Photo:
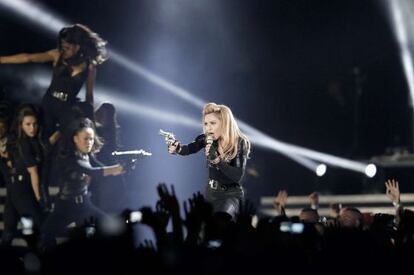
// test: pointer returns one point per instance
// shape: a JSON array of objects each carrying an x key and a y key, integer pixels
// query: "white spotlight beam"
[
  {"x": 125, "y": 105},
  {"x": 265, "y": 141},
  {"x": 270, "y": 143},
  {"x": 155, "y": 79},
  {"x": 401, "y": 14},
  {"x": 36, "y": 13}
]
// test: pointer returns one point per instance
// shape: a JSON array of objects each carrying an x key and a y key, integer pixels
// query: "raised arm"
[
  {"x": 49, "y": 56},
  {"x": 280, "y": 202},
  {"x": 35, "y": 180},
  {"x": 393, "y": 192},
  {"x": 85, "y": 167},
  {"x": 54, "y": 137},
  {"x": 314, "y": 200},
  {"x": 90, "y": 83}
]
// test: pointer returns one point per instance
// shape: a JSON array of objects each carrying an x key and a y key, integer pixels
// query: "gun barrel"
[{"x": 131, "y": 153}]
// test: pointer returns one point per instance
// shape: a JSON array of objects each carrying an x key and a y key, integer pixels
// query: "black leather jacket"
[{"x": 224, "y": 172}]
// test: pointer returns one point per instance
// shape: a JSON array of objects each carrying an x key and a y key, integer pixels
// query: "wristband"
[{"x": 396, "y": 204}]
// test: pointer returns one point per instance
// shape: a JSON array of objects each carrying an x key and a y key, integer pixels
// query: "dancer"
[
  {"x": 78, "y": 53},
  {"x": 78, "y": 168}
]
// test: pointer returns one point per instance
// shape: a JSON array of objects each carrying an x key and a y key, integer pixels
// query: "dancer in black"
[
  {"x": 227, "y": 150},
  {"x": 25, "y": 158},
  {"x": 74, "y": 62},
  {"x": 78, "y": 167}
]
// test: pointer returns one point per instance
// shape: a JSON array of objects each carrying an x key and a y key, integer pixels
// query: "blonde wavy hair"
[{"x": 228, "y": 142}]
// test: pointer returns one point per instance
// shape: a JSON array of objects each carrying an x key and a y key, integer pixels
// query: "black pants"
[
  {"x": 4, "y": 173},
  {"x": 56, "y": 111},
  {"x": 20, "y": 201},
  {"x": 225, "y": 199},
  {"x": 68, "y": 211}
]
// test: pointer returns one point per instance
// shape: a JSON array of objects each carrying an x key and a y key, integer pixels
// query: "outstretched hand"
[
  {"x": 281, "y": 199},
  {"x": 168, "y": 200},
  {"x": 197, "y": 211},
  {"x": 314, "y": 199},
  {"x": 393, "y": 190}
]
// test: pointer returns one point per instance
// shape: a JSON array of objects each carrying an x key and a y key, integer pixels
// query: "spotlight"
[
  {"x": 321, "y": 170},
  {"x": 35, "y": 13},
  {"x": 371, "y": 170},
  {"x": 400, "y": 12}
]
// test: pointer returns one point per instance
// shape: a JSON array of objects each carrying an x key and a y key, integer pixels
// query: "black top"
[
  {"x": 62, "y": 81},
  {"x": 224, "y": 172},
  {"x": 28, "y": 152},
  {"x": 75, "y": 171}
]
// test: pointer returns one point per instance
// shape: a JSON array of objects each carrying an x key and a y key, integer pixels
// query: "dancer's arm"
[
  {"x": 49, "y": 56},
  {"x": 90, "y": 83}
]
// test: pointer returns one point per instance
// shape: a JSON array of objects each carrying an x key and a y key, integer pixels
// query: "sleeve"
[
  {"x": 84, "y": 166},
  {"x": 95, "y": 162},
  {"x": 235, "y": 169},
  {"x": 27, "y": 153},
  {"x": 193, "y": 147}
]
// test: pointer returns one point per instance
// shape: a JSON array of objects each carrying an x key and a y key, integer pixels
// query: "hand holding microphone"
[
  {"x": 209, "y": 143},
  {"x": 211, "y": 150}
]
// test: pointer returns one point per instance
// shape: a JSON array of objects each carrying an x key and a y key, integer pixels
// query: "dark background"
[{"x": 325, "y": 75}]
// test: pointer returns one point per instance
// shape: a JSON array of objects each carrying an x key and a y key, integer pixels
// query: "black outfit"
[
  {"x": 21, "y": 200},
  {"x": 73, "y": 203},
  {"x": 61, "y": 95},
  {"x": 223, "y": 191}
]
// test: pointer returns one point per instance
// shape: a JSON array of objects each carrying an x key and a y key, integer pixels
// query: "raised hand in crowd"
[
  {"x": 314, "y": 200},
  {"x": 169, "y": 202},
  {"x": 393, "y": 191},
  {"x": 280, "y": 202},
  {"x": 197, "y": 212},
  {"x": 162, "y": 215},
  {"x": 246, "y": 214},
  {"x": 168, "y": 199},
  {"x": 334, "y": 209}
]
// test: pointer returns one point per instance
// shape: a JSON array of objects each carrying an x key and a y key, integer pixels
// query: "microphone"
[
  {"x": 209, "y": 139},
  {"x": 212, "y": 153}
]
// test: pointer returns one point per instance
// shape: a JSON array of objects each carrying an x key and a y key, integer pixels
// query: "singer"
[{"x": 227, "y": 150}]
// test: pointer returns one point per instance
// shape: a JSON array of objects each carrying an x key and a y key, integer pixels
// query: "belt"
[
  {"x": 16, "y": 178},
  {"x": 79, "y": 199},
  {"x": 215, "y": 185},
  {"x": 60, "y": 95}
]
